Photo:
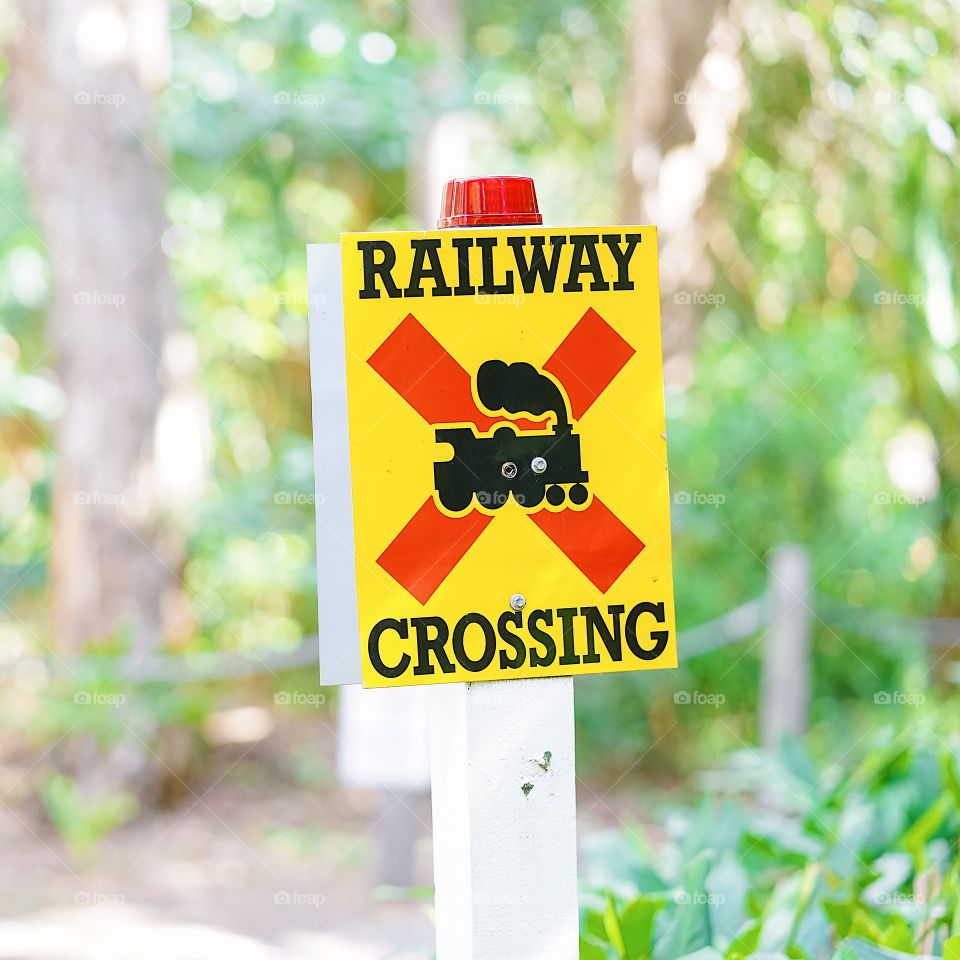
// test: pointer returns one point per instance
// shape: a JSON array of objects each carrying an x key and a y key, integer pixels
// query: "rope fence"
[
  {"x": 731, "y": 627},
  {"x": 888, "y": 627},
  {"x": 735, "y": 625},
  {"x": 165, "y": 668}
]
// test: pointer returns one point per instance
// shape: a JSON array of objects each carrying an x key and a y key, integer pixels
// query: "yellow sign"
[{"x": 508, "y": 454}]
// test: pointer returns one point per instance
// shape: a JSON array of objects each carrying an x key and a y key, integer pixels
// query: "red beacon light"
[{"x": 489, "y": 202}]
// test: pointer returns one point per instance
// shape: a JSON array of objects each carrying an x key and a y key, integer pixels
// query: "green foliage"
[
  {"x": 856, "y": 857},
  {"x": 822, "y": 355},
  {"x": 822, "y": 340},
  {"x": 82, "y": 822}
]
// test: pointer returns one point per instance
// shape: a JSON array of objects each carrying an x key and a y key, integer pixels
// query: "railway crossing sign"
[{"x": 508, "y": 472}]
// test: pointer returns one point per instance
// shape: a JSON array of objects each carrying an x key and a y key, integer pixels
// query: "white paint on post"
[
  {"x": 504, "y": 820},
  {"x": 785, "y": 685}
]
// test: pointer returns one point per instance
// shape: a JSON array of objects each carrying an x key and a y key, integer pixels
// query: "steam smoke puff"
[{"x": 518, "y": 388}]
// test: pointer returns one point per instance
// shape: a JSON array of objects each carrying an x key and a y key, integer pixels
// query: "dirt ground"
[{"x": 252, "y": 864}]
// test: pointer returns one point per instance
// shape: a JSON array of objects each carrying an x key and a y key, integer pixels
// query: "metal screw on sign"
[
  {"x": 509, "y": 469},
  {"x": 538, "y": 465},
  {"x": 518, "y": 601}
]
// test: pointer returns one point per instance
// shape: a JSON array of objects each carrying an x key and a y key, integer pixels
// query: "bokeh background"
[{"x": 168, "y": 778}]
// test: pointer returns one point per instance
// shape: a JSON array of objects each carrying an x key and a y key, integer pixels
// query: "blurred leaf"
[
  {"x": 727, "y": 885},
  {"x": 950, "y": 778},
  {"x": 83, "y": 822},
  {"x": 862, "y": 950},
  {"x": 593, "y": 949},
  {"x": 746, "y": 941},
  {"x": 637, "y": 923},
  {"x": 916, "y": 838},
  {"x": 688, "y": 925},
  {"x": 611, "y": 925},
  {"x": 898, "y": 936}
]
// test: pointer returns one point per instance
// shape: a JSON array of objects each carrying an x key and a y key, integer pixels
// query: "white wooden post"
[
  {"x": 504, "y": 820},
  {"x": 785, "y": 684}
]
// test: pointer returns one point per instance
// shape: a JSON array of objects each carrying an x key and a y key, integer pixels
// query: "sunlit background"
[{"x": 168, "y": 774}]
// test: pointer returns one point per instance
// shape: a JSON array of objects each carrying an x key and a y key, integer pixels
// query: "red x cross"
[{"x": 426, "y": 550}]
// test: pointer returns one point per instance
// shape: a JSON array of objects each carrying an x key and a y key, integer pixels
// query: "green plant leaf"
[
  {"x": 746, "y": 941},
  {"x": 611, "y": 924},
  {"x": 636, "y": 925},
  {"x": 898, "y": 935},
  {"x": 786, "y": 909},
  {"x": 808, "y": 889},
  {"x": 950, "y": 779},
  {"x": 593, "y": 949},
  {"x": 727, "y": 885},
  {"x": 592, "y": 922},
  {"x": 873, "y": 769},
  {"x": 918, "y": 836},
  {"x": 689, "y": 926},
  {"x": 863, "y": 950},
  {"x": 840, "y": 915},
  {"x": 83, "y": 822},
  {"x": 843, "y": 952},
  {"x": 863, "y": 925}
]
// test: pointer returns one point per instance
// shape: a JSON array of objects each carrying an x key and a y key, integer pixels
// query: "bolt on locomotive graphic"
[{"x": 527, "y": 466}]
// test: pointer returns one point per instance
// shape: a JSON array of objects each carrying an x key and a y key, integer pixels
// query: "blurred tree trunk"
[
  {"x": 684, "y": 92},
  {"x": 80, "y": 81},
  {"x": 441, "y": 149}
]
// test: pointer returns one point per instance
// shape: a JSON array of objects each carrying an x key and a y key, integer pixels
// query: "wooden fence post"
[
  {"x": 504, "y": 820},
  {"x": 397, "y": 829},
  {"x": 785, "y": 681},
  {"x": 383, "y": 745}
]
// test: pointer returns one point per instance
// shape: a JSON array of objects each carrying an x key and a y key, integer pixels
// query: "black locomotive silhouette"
[{"x": 525, "y": 465}]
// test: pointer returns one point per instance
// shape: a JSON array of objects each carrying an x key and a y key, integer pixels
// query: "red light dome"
[{"x": 489, "y": 201}]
